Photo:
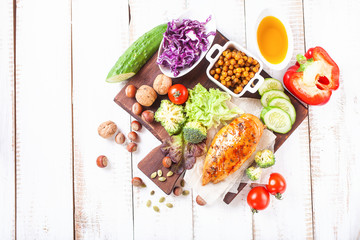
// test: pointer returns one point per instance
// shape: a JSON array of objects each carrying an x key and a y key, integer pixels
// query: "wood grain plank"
[
  {"x": 293, "y": 160},
  {"x": 103, "y": 197},
  {"x": 147, "y": 223},
  {"x": 210, "y": 221},
  {"x": 335, "y": 127},
  {"x": 7, "y": 122},
  {"x": 43, "y": 120}
]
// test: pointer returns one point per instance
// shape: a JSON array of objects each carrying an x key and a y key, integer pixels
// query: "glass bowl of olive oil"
[{"x": 274, "y": 39}]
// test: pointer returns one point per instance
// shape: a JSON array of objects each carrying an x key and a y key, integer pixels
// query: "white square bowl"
[{"x": 250, "y": 87}]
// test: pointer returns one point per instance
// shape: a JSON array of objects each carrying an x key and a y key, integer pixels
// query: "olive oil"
[{"x": 272, "y": 39}]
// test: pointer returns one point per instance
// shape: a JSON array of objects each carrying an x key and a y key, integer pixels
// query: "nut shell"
[
  {"x": 161, "y": 84},
  {"x": 107, "y": 129},
  {"x": 136, "y": 126},
  {"x": 177, "y": 191},
  {"x": 102, "y": 161},
  {"x": 132, "y": 136},
  {"x": 120, "y": 138},
  {"x": 147, "y": 116},
  {"x": 200, "y": 201},
  {"x": 137, "y": 182},
  {"x": 145, "y": 95},
  {"x": 131, "y": 147},
  {"x": 136, "y": 108}
]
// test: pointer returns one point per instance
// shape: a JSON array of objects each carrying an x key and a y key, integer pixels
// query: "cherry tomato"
[
  {"x": 178, "y": 94},
  {"x": 258, "y": 198},
  {"x": 276, "y": 185}
]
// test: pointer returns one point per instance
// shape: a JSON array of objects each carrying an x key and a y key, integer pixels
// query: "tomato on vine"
[
  {"x": 276, "y": 185},
  {"x": 258, "y": 198},
  {"x": 178, "y": 94}
]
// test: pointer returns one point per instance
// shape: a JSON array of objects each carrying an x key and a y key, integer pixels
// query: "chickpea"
[
  {"x": 212, "y": 72},
  {"x": 233, "y": 77},
  {"x": 228, "y": 56},
  {"x": 255, "y": 69},
  {"x": 245, "y": 58},
  {"x": 237, "y": 75},
  {"x": 255, "y": 62},
  {"x": 251, "y": 74},
  {"x": 230, "y": 73},
  {"x": 237, "y": 56},
  {"x": 231, "y": 67},
  {"x": 245, "y": 82},
  {"x": 227, "y": 79},
  {"x": 222, "y": 78},
  {"x": 228, "y": 84},
  {"x": 223, "y": 82},
  {"x": 224, "y": 74},
  {"x": 250, "y": 59},
  {"x": 233, "y": 54},
  {"x": 247, "y": 69},
  {"x": 227, "y": 63},
  {"x": 216, "y": 65},
  {"x": 240, "y": 61},
  {"x": 221, "y": 57},
  {"x": 232, "y": 61},
  {"x": 216, "y": 76},
  {"x": 245, "y": 74},
  {"x": 218, "y": 70},
  {"x": 225, "y": 68}
]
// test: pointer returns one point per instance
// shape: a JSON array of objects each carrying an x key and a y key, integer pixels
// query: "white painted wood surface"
[{"x": 54, "y": 190}]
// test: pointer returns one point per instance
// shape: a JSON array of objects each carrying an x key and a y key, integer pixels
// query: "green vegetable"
[
  {"x": 130, "y": 62},
  {"x": 263, "y": 112},
  {"x": 284, "y": 105},
  {"x": 194, "y": 132},
  {"x": 209, "y": 107},
  {"x": 270, "y": 84},
  {"x": 269, "y": 95},
  {"x": 277, "y": 120},
  {"x": 171, "y": 116},
  {"x": 253, "y": 173},
  {"x": 265, "y": 158}
]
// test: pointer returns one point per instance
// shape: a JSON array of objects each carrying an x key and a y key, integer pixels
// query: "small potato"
[
  {"x": 162, "y": 83},
  {"x": 146, "y": 95}
]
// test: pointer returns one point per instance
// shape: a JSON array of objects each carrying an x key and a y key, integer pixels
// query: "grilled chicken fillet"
[{"x": 231, "y": 147}]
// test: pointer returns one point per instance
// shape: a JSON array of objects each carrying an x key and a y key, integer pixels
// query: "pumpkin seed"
[
  {"x": 169, "y": 205},
  {"x": 162, "y": 199},
  {"x": 159, "y": 173},
  {"x": 169, "y": 174},
  {"x": 182, "y": 182},
  {"x": 162, "y": 179},
  {"x": 152, "y": 192},
  {"x": 153, "y": 175},
  {"x": 185, "y": 192},
  {"x": 148, "y": 203},
  {"x": 156, "y": 208}
]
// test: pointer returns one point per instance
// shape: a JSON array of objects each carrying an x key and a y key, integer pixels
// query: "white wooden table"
[{"x": 54, "y": 57}]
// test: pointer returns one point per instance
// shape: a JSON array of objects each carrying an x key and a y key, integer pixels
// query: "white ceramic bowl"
[
  {"x": 271, "y": 12},
  {"x": 250, "y": 87},
  {"x": 194, "y": 14}
]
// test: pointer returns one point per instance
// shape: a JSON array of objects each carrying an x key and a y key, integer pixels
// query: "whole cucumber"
[{"x": 131, "y": 61}]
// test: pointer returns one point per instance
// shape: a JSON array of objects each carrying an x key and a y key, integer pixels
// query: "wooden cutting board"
[{"x": 153, "y": 161}]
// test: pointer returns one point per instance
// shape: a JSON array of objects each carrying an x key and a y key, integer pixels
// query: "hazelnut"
[
  {"x": 136, "y": 126},
  {"x": 162, "y": 83},
  {"x": 136, "y": 108},
  {"x": 148, "y": 116},
  {"x": 101, "y": 161},
  {"x": 132, "y": 136},
  {"x": 145, "y": 95},
  {"x": 120, "y": 138},
  {"x": 130, "y": 91},
  {"x": 107, "y": 129},
  {"x": 177, "y": 191},
  {"x": 166, "y": 162},
  {"x": 137, "y": 182},
  {"x": 200, "y": 201},
  {"x": 131, "y": 147}
]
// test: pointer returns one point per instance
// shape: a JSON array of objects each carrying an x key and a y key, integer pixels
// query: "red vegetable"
[
  {"x": 313, "y": 78},
  {"x": 178, "y": 94},
  {"x": 277, "y": 185},
  {"x": 258, "y": 199}
]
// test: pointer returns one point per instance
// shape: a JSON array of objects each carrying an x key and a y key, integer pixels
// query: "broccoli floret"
[
  {"x": 265, "y": 158},
  {"x": 253, "y": 173},
  {"x": 194, "y": 132},
  {"x": 171, "y": 116}
]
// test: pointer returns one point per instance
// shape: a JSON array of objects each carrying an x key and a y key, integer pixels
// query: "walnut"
[
  {"x": 146, "y": 95},
  {"x": 107, "y": 129},
  {"x": 162, "y": 84}
]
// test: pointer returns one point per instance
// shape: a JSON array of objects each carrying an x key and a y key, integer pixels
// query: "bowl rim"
[
  {"x": 275, "y": 13},
  {"x": 212, "y": 27},
  {"x": 237, "y": 46}
]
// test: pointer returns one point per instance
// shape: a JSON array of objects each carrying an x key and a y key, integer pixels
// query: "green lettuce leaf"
[{"x": 209, "y": 107}]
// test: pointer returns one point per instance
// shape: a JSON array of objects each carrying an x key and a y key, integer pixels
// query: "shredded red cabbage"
[{"x": 184, "y": 41}]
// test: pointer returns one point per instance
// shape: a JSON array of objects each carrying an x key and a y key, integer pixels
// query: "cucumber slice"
[
  {"x": 270, "y": 84},
  {"x": 278, "y": 120},
  {"x": 284, "y": 105},
  {"x": 263, "y": 112},
  {"x": 269, "y": 95}
]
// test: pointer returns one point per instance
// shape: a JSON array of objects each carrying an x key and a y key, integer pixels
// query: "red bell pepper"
[{"x": 313, "y": 78}]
